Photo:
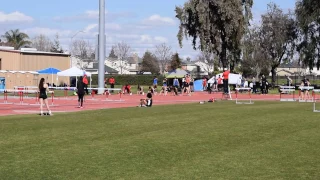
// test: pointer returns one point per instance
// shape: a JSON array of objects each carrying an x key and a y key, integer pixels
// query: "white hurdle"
[
  {"x": 22, "y": 93},
  {"x": 5, "y": 96},
  {"x": 315, "y": 99},
  {"x": 285, "y": 90},
  {"x": 306, "y": 88},
  {"x": 243, "y": 89}
]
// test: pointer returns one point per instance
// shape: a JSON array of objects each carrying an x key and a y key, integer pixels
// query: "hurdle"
[
  {"x": 113, "y": 89},
  {"x": 285, "y": 90},
  {"x": 92, "y": 94},
  {"x": 5, "y": 97},
  {"x": 307, "y": 88},
  {"x": 315, "y": 100},
  {"x": 21, "y": 95},
  {"x": 107, "y": 93},
  {"x": 244, "y": 89},
  {"x": 37, "y": 103}
]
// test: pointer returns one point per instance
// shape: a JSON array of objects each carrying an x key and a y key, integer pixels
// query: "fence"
[{"x": 296, "y": 80}]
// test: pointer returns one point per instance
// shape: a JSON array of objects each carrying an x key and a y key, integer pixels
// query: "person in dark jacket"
[{"x": 81, "y": 91}]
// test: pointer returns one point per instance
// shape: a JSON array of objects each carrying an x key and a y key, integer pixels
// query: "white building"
[
  {"x": 129, "y": 66},
  {"x": 90, "y": 66},
  {"x": 192, "y": 66}
]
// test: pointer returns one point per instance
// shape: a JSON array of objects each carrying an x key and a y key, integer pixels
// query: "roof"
[
  {"x": 290, "y": 65},
  {"x": 6, "y": 71},
  {"x": 286, "y": 71},
  {"x": 131, "y": 60},
  {"x": 34, "y": 52},
  {"x": 186, "y": 63},
  {"x": 106, "y": 68}
]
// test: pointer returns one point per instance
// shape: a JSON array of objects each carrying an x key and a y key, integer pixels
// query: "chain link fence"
[{"x": 296, "y": 80}]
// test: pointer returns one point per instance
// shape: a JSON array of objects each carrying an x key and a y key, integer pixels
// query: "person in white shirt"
[{"x": 239, "y": 82}]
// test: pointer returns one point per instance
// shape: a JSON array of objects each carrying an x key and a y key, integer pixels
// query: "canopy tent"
[
  {"x": 74, "y": 71},
  {"x": 50, "y": 70},
  {"x": 233, "y": 78},
  {"x": 177, "y": 73}
]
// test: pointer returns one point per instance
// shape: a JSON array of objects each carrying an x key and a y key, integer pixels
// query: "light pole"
[
  {"x": 101, "y": 70},
  {"x": 70, "y": 48},
  {"x": 73, "y": 37}
]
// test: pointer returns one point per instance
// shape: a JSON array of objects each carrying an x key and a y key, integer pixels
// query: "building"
[
  {"x": 128, "y": 66},
  {"x": 93, "y": 68},
  {"x": 290, "y": 69},
  {"x": 195, "y": 66},
  {"x": 90, "y": 65},
  {"x": 28, "y": 59}
]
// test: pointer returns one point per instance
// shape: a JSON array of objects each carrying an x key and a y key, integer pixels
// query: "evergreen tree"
[
  {"x": 150, "y": 63},
  {"x": 56, "y": 48},
  {"x": 175, "y": 61},
  {"x": 113, "y": 54}
]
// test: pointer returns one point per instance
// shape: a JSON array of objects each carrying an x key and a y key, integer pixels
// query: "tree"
[
  {"x": 84, "y": 52},
  {"x": 149, "y": 63},
  {"x": 122, "y": 51},
  {"x": 208, "y": 60},
  {"x": 112, "y": 53},
  {"x": 217, "y": 25},
  {"x": 163, "y": 54},
  {"x": 16, "y": 39},
  {"x": 82, "y": 49},
  {"x": 175, "y": 61},
  {"x": 308, "y": 17},
  {"x": 42, "y": 43},
  {"x": 279, "y": 33},
  {"x": 255, "y": 59},
  {"x": 55, "y": 47}
]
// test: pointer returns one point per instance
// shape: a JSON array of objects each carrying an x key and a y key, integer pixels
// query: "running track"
[{"x": 69, "y": 104}]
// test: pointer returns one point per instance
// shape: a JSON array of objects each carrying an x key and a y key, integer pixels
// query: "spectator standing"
[
  {"x": 204, "y": 83},
  {"x": 226, "y": 80},
  {"x": 112, "y": 81},
  {"x": 85, "y": 82},
  {"x": 254, "y": 83}
]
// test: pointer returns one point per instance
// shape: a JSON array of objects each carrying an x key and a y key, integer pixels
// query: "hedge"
[{"x": 129, "y": 79}]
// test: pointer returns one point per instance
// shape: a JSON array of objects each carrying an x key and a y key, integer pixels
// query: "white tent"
[
  {"x": 233, "y": 78},
  {"x": 74, "y": 71}
]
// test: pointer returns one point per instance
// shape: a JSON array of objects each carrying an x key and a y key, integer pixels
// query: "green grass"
[{"x": 268, "y": 140}]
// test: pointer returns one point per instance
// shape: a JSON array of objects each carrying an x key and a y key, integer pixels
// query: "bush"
[{"x": 130, "y": 79}]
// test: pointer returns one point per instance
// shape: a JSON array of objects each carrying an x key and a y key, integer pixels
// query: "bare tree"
[
  {"x": 163, "y": 54},
  {"x": 42, "y": 43},
  {"x": 122, "y": 51},
  {"x": 208, "y": 60},
  {"x": 84, "y": 53}
]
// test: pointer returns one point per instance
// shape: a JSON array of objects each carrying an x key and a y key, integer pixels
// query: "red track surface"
[{"x": 69, "y": 104}]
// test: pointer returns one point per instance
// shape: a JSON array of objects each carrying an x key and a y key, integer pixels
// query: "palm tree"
[{"x": 16, "y": 38}]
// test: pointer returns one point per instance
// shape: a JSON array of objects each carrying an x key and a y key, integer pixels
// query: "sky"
[{"x": 142, "y": 24}]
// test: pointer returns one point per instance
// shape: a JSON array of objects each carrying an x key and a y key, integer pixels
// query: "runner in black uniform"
[
  {"x": 43, "y": 98},
  {"x": 305, "y": 92},
  {"x": 146, "y": 102}
]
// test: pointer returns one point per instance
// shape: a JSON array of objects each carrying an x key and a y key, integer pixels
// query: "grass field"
[{"x": 268, "y": 140}]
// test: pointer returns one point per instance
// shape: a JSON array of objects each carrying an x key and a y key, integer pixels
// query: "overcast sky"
[{"x": 141, "y": 23}]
